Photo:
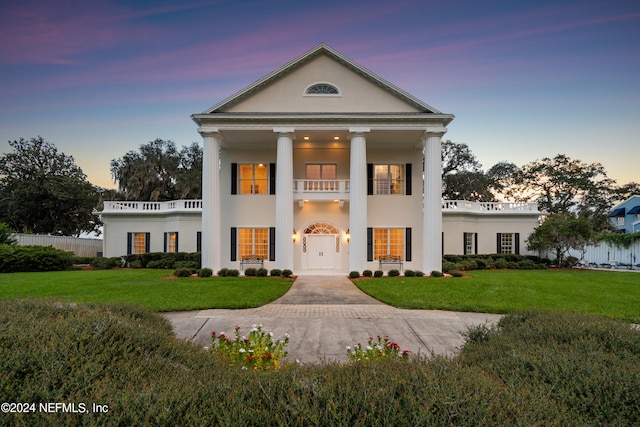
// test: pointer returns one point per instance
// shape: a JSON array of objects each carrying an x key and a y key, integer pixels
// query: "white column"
[
  {"x": 211, "y": 208},
  {"x": 432, "y": 202},
  {"x": 358, "y": 201},
  {"x": 284, "y": 199}
]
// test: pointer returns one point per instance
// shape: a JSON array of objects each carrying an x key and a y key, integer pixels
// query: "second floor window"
[
  {"x": 253, "y": 178},
  {"x": 388, "y": 179}
]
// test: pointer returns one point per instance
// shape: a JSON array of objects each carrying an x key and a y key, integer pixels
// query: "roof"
[{"x": 321, "y": 49}]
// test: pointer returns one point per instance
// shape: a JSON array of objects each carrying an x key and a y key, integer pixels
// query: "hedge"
[{"x": 14, "y": 258}]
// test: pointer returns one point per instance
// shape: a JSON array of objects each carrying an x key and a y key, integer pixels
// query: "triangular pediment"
[{"x": 354, "y": 89}]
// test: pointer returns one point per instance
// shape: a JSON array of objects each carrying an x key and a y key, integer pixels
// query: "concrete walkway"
[{"x": 324, "y": 314}]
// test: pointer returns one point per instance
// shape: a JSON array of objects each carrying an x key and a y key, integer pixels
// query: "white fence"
[
  {"x": 79, "y": 246},
  {"x": 610, "y": 256}
]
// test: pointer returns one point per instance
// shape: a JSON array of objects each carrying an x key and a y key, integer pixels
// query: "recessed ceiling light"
[
  {"x": 336, "y": 138},
  {"x": 306, "y": 138}
]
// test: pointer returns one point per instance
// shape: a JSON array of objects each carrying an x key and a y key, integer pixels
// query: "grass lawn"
[
  {"x": 607, "y": 293},
  {"x": 145, "y": 287}
]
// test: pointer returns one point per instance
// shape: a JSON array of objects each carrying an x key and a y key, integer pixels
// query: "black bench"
[
  {"x": 251, "y": 259},
  {"x": 390, "y": 259}
]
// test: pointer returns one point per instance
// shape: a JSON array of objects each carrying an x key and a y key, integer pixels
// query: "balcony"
[
  {"x": 489, "y": 207},
  {"x": 171, "y": 206},
  {"x": 320, "y": 189}
]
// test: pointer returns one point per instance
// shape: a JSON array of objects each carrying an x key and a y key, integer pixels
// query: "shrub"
[
  {"x": 393, "y": 273},
  {"x": 418, "y": 273},
  {"x": 106, "y": 263},
  {"x": 378, "y": 273},
  {"x": 367, "y": 273},
  {"x": 223, "y": 272},
  {"x": 232, "y": 273},
  {"x": 456, "y": 273},
  {"x": 436, "y": 273},
  {"x": 205, "y": 272},
  {"x": 275, "y": 272},
  {"x": 448, "y": 266},
  {"x": 354, "y": 274},
  {"x": 187, "y": 264},
  {"x": 468, "y": 265},
  {"x": 501, "y": 263},
  {"x": 251, "y": 272},
  {"x": 183, "y": 272},
  {"x": 81, "y": 260},
  {"x": 262, "y": 272},
  {"x": 409, "y": 273},
  {"x": 526, "y": 264},
  {"x": 287, "y": 273},
  {"x": 135, "y": 264},
  {"x": 14, "y": 258}
]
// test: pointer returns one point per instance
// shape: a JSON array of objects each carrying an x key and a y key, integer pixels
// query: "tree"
[
  {"x": 562, "y": 185},
  {"x": 158, "y": 171},
  {"x": 627, "y": 190},
  {"x": 561, "y": 232},
  {"x": 44, "y": 191},
  {"x": 462, "y": 178},
  {"x": 6, "y": 235}
]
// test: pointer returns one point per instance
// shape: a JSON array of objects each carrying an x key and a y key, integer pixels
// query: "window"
[
  {"x": 620, "y": 220},
  {"x": 253, "y": 241},
  {"x": 388, "y": 242},
  {"x": 171, "y": 242},
  {"x": 138, "y": 243},
  {"x": 254, "y": 179},
  {"x": 508, "y": 243},
  {"x": 388, "y": 179},
  {"x": 322, "y": 89},
  {"x": 321, "y": 177},
  {"x": 469, "y": 243}
]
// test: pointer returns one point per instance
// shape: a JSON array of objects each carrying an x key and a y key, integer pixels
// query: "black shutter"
[
  {"x": 198, "y": 241},
  {"x": 369, "y": 244},
  {"x": 177, "y": 247},
  {"x": 129, "y": 243},
  {"x": 272, "y": 178},
  {"x": 165, "y": 241},
  {"x": 407, "y": 174},
  {"x": 234, "y": 234},
  {"x": 442, "y": 242},
  {"x": 147, "y": 242},
  {"x": 272, "y": 243},
  {"x": 475, "y": 243},
  {"x": 464, "y": 243},
  {"x": 234, "y": 178},
  {"x": 407, "y": 255},
  {"x": 369, "y": 179},
  {"x": 517, "y": 243},
  {"x": 498, "y": 242}
]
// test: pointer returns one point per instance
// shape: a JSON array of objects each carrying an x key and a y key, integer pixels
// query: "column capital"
[
  {"x": 283, "y": 130},
  {"x": 209, "y": 131},
  {"x": 358, "y": 131},
  {"x": 434, "y": 131}
]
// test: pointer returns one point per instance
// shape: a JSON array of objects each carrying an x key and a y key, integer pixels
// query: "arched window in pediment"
[{"x": 322, "y": 89}]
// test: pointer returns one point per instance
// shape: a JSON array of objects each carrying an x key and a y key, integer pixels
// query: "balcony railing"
[
  {"x": 489, "y": 207},
  {"x": 320, "y": 188},
  {"x": 194, "y": 205}
]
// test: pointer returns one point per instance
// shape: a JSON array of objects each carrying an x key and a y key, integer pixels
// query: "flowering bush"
[
  {"x": 258, "y": 351},
  {"x": 383, "y": 348}
]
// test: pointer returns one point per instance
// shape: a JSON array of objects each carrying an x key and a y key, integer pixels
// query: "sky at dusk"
[{"x": 525, "y": 79}]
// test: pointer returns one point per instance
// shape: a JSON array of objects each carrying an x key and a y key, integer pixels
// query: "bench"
[
  {"x": 251, "y": 259},
  {"x": 390, "y": 259}
]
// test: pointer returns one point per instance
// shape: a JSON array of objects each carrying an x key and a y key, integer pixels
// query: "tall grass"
[{"x": 534, "y": 369}]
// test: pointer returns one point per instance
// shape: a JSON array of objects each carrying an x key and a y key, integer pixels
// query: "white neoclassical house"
[{"x": 320, "y": 166}]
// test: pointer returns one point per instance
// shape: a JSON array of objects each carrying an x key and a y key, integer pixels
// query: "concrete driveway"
[{"x": 324, "y": 314}]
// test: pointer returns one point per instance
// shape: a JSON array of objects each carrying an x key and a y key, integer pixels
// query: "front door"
[{"x": 321, "y": 251}]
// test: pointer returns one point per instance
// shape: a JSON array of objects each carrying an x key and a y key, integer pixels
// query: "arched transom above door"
[{"x": 321, "y": 228}]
